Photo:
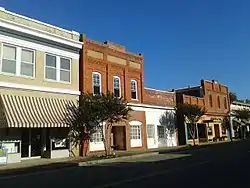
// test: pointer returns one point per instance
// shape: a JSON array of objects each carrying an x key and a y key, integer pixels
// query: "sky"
[{"x": 183, "y": 41}]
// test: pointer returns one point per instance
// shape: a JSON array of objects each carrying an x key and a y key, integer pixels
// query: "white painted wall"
[{"x": 152, "y": 118}]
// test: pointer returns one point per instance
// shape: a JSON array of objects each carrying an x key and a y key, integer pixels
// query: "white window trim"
[
  {"x": 18, "y": 61},
  {"x": 100, "y": 77},
  {"x": 120, "y": 92},
  {"x": 136, "y": 88},
  {"x": 58, "y": 68},
  {"x": 136, "y": 142}
]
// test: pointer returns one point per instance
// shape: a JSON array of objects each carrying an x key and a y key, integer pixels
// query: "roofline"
[
  {"x": 39, "y": 22},
  {"x": 125, "y": 52},
  {"x": 240, "y": 103},
  {"x": 187, "y": 88},
  {"x": 216, "y": 81},
  {"x": 40, "y": 33},
  {"x": 158, "y": 90},
  {"x": 151, "y": 106}
]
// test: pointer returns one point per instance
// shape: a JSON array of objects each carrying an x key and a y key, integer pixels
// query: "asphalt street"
[{"x": 222, "y": 165}]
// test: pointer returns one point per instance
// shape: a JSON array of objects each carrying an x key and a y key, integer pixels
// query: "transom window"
[
  {"x": 135, "y": 132},
  {"x": 97, "y": 136},
  {"x": 57, "y": 68},
  {"x": 134, "y": 89},
  {"x": 18, "y": 61},
  {"x": 96, "y": 79},
  {"x": 117, "y": 86}
]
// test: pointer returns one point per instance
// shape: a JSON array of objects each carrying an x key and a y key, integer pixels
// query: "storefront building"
[
  {"x": 159, "y": 108},
  {"x": 39, "y": 80},
  {"x": 109, "y": 67},
  {"x": 214, "y": 98}
]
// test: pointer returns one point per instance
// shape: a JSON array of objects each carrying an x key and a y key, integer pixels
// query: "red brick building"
[
  {"x": 109, "y": 67},
  {"x": 214, "y": 97}
]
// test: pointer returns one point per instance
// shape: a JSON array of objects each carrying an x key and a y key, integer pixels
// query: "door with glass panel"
[{"x": 151, "y": 136}]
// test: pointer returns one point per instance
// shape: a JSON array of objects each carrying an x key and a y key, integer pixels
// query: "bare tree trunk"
[
  {"x": 107, "y": 139},
  {"x": 192, "y": 133}
]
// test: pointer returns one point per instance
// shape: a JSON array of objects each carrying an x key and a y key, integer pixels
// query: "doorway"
[
  {"x": 119, "y": 137},
  {"x": 217, "y": 130},
  {"x": 31, "y": 143}
]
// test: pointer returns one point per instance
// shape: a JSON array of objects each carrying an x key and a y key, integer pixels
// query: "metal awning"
[{"x": 34, "y": 112}]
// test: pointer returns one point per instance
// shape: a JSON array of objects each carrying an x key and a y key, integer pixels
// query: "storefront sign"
[
  {"x": 59, "y": 143},
  {"x": 3, "y": 155}
]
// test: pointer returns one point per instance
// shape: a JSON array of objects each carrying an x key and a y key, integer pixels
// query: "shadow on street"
[{"x": 194, "y": 167}]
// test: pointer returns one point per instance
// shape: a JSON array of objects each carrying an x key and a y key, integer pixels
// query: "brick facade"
[
  {"x": 159, "y": 97},
  {"x": 111, "y": 60},
  {"x": 211, "y": 95}
]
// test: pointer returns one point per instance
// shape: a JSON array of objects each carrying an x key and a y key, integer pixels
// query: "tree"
[
  {"x": 226, "y": 125},
  {"x": 232, "y": 97},
  {"x": 114, "y": 110},
  {"x": 192, "y": 114},
  {"x": 242, "y": 115},
  {"x": 168, "y": 119},
  {"x": 96, "y": 113},
  {"x": 83, "y": 120}
]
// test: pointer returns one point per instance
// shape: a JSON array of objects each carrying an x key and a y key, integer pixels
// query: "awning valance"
[{"x": 35, "y": 112}]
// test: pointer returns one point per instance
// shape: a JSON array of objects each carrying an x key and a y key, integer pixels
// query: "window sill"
[
  {"x": 15, "y": 75},
  {"x": 134, "y": 99},
  {"x": 58, "y": 82}
]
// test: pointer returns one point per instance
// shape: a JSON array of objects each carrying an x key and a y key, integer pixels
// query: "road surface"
[{"x": 222, "y": 165}]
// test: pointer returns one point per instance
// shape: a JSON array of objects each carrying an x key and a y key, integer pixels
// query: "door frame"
[{"x": 29, "y": 149}]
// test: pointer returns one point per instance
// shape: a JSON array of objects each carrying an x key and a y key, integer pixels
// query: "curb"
[{"x": 102, "y": 161}]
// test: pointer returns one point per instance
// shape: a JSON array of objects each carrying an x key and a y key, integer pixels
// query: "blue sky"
[{"x": 183, "y": 41}]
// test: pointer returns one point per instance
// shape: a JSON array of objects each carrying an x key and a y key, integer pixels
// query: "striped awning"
[{"x": 34, "y": 112}]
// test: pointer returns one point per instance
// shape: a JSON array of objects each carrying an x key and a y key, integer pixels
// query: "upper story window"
[
  {"x": 96, "y": 83},
  {"x": 225, "y": 102},
  {"x": 134, "y": 94},
  {"x": 210, "y": 100},
  {"x": 57, "y": 68},
  {"x": 18, "y": 61},
  {"x": 117, "y": 86},
  {"x": 218, "y": 101}
]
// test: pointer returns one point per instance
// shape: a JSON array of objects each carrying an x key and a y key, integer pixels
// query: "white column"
[
  {"x": 156, "y": 136},
  {"x": 231, "y": 127},
  {"x": 29, "y": 152}
]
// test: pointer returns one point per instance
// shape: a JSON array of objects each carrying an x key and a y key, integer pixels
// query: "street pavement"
[{"x": 222, "y": 165}]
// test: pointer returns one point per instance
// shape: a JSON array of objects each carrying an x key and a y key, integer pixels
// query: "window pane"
[
  {"x": 9, "y": 66},
  {"x": 117, "y": 92},
  {"x": 27, "y": 69},
  {"x": 50, "y": 60},
  {"x": 97, "y": 90},
  {"x": 150, "y": 131},
  {"x": 96, "y": 79},
  {"x": 50, "y": 73},
  {"x": 65, "y": 64},
  {"x": 133, "y": 85},
  {"x": 116, "y": 83},
  {"x": 133, "y": 95},
  {"x": 9, "y": 52},
  {"x": 27, "y": 56},
  {"x": 65, "y": 76}
]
